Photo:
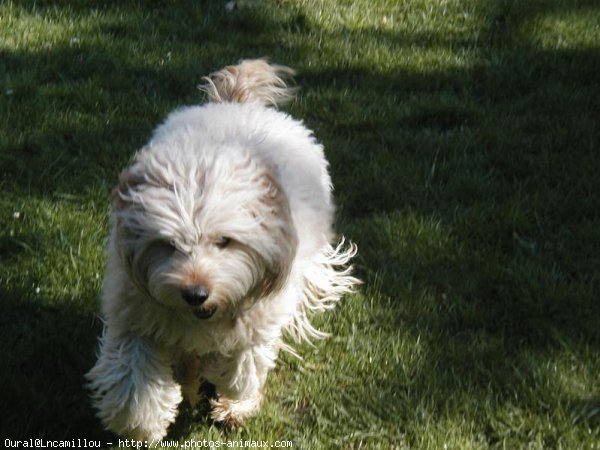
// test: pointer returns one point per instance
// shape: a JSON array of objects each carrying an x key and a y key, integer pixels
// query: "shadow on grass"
[{"x": 45, "y": 352}]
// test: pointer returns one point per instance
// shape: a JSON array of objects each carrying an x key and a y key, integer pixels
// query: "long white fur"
[{"x": 231, "y": 168}]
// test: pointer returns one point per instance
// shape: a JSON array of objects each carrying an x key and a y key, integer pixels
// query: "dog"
[{"x": 221, "y": 244}]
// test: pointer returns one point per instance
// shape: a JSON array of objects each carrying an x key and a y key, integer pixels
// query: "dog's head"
[{"x": 204, "y": 235}]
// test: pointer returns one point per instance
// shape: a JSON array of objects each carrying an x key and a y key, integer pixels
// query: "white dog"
[{"x": 221, "y": 241}]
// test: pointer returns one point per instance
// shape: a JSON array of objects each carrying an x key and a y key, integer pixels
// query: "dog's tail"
[{"x": 252, "y": 80}]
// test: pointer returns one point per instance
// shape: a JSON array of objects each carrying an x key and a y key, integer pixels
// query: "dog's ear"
[
  {"x": 127, "y": 237},
  {"x": 280, "y": 226},
  {"x": 127, "y": 180}
]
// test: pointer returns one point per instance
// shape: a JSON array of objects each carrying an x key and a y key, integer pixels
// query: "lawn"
[{"x": 464, "y": 141}]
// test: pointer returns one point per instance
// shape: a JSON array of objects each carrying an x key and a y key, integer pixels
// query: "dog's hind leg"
[{"x": 133, "y": 387}]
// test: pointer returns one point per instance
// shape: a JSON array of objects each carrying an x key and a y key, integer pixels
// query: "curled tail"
[{"x": 252, "y": 80}]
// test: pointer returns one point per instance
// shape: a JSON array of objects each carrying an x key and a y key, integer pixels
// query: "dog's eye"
[
  {"x": 222, "y": 242},
  {"x": 164, "y": 247}
]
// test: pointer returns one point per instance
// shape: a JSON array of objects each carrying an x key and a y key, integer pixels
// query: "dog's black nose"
[{"x": 195, "y": 295}]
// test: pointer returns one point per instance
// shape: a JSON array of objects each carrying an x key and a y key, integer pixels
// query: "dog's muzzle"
[{"x": 196, "y": 296}]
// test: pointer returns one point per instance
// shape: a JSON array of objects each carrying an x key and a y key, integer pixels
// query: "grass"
[{"x": 463, "y": 142}]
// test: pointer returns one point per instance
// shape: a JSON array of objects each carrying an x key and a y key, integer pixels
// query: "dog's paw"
[{"x": 234, "y": 413}]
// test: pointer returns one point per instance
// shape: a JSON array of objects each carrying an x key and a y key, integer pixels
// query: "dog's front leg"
[
  {"x": 133, "y": 387},
  {"x": 240, "y": 382}
]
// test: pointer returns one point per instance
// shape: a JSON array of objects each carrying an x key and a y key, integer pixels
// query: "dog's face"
[{"x": 205, "y": 236}]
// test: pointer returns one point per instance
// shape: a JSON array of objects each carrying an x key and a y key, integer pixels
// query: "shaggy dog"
[{"x": 221, "y": 241}]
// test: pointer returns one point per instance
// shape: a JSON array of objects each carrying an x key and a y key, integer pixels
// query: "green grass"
[{"x": 463, "y": 138}]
